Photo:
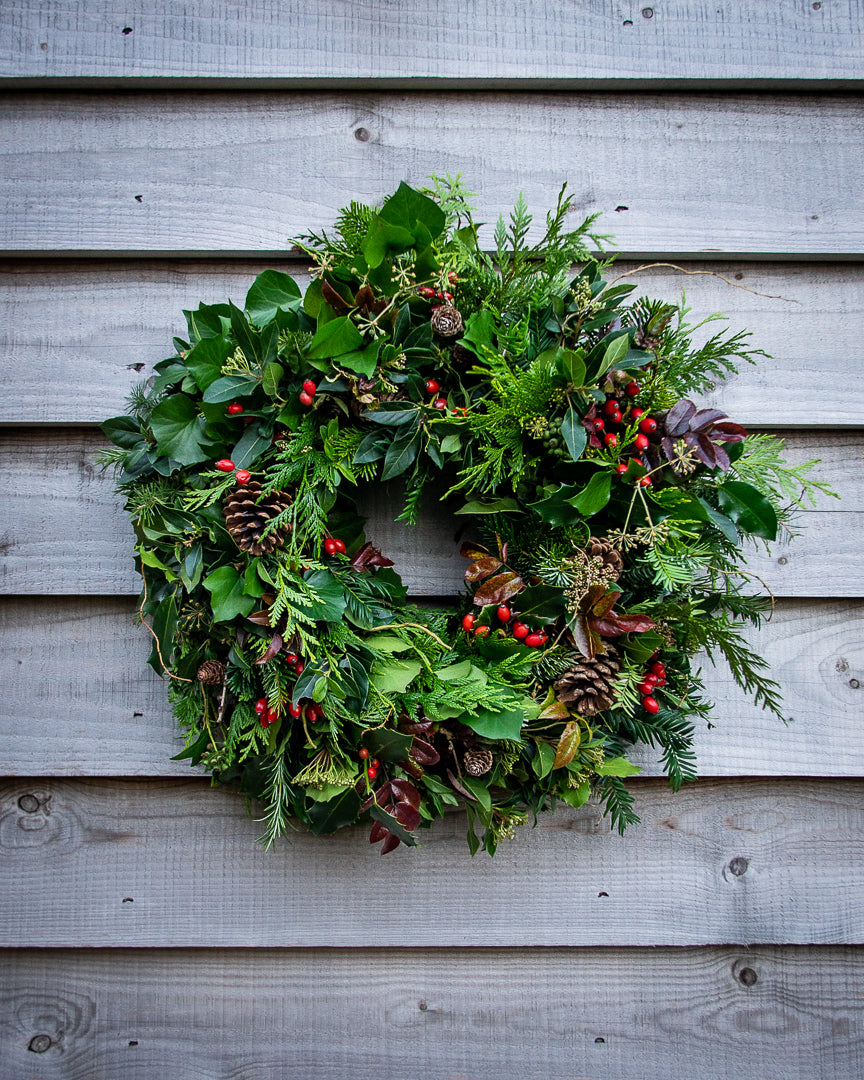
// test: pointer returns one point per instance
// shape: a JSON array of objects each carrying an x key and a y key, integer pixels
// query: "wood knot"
[
  {"x": 738, "y": 866},
  {"x": 40, "y": 1043},
  {"x": 361, "y": 134},
  {"x": 29, "y": 804},
  {"x": 747, "y": 977}
]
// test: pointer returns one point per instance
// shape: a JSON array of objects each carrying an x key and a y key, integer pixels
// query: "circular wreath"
[{"x": 602, "y": 512}]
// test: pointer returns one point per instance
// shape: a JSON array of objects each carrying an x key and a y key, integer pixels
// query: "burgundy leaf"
[
  {"x": 723, "y": 461},
  {"x": 606, "y": 603},
  {"x": 406, "y": 815},
  {"x": 668, "y": 447},
  {"x": 678, "y": 417},
  {"x": 405, "y": 792},
  {"x": 458, "y": 787},
  {"x": 378, "y": 832},
  {"x": 704, "y": 418},
  {"x": 471, "y": 550},
  {"x": 390, "y": 844},
  {"x": 333, "y": 298},
  {"x": 707, "y": 451},
  {"x": 608, "y": 626},
  {"x": 260, "y": 618},
  {"x": 482, "y": 568},
  {"x": 378, "y": 797},
  {"x": 364, "y": 298},
  {"x": 582, "y": 636},
  {"x": 273, "y": 649},
  {"x": 496, "y": 590},
  {"x": 415, "y": 727},
  {"x": 368, "y": 555},
  {"x": 424, "y": 753},
  {"x": 635, "y": 624},
  {"x": 729, "y": 432}
]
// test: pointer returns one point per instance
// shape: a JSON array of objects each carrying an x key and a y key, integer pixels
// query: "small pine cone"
[
  {"x": 461, "y": 356},
  {"x": 247, "y": 518},
  {"x": 447, "y": 321},
  {"x": 589, "y": 686},
  {"x": 212, "y": 672},
  {"x": 602, "y": 549},
  {"x": 478, "y": 761}
]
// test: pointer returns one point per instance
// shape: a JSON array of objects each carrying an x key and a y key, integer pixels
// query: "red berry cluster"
[
  {"x": 312, "y": 711},
  {"x": 332, "y": 545},
  {"x": 429, "y": 293},
  {"x": 654, "y": 676},
  {"x": 307, "y": 393},
  {"x": 614, "y": 410},
  {"x": 373, "y": 765},
  {"x": 534, "y": 639}
]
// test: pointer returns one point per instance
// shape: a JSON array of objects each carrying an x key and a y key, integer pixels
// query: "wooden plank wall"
[{"x": 161, "y": 154}]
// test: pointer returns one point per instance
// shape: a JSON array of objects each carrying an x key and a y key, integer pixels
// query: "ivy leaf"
[
  {"x": 407, "y": 207},
  {"x": 206, "y": 360},
  {"x": 492, "y": 724},
  {"x": 594, "y": 496},
  {"x": 227, "y": 598},
  {"x": 748, "y": 508},
  {"x": 123, "y": 431},
  {"x": 179, "y": 430},
  {"x": 617, "y": 766},
  {"x": 270, "y": 292},
  {"x": 362, "y": 362},
  {"x": 383, "y": 239},
  {"x": 574, "y": 434},
  {"x": 394, "y": 676},
  {"x": 229, "y": 387},
  {"x": 577, "y": 797},
  {"x": 335, "y": 338},
  {"x": 568, "y": 744}
]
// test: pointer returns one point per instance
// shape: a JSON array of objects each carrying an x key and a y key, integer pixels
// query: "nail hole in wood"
[
  {"x": 128, "y": 900},
  {"x": 738, "y": 866},
  {"x": 599, "y": 894},
  {"x": 133, "y": 1042},
  {"x": 422, "y": 1006},
  {"x": 816, "y": 6},
  {"x": 739, "y": 276},
  {"x": 854, "y": 684},
  {"x": 599, "y": 1039},
  {"x": 138, "y": 713},
  {"x": 361, "y": 134},
  {"x": 628, "y": 22},
  {"x": 618, "y": 209},
  {"x": 40, "y": 1043},
  {"x": 139, "y": 198},
  {"x": 747, "y": 977},
  {"x": 44, "y": 46},
  {"x": 28, "y": 803},
  {"x": 782, "y": 560},
  {"x": 127, "y": 30},
  {"x": 647, "y": 13}
]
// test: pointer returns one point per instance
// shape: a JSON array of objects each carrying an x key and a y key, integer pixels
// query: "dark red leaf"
[
  {"x": 458, "y": 787},
  {"x": 368, "y": 555},
  {"x": 678, "y": 417},
  {"x": 406, "y": 815},
  {"x": 723, "y": 461},
  {"x": 704, "y": 418},
  {"x": 273, "y": 649},
  {"x": 405, "y": 792},
  {"x": 581, "y": 636},
  {"x": 482, "y": 568},
  {"x": 424, "y": 753},
  {"x": 635, "y": 624},
  {"x": 608, "y": 626},
  {"x": 472, "y": 550},
  {"x": 605, "y": 604},
  {"x": 390, "y": 844},
  {"x": 378, "y": 797},
  {"x": 415, "y": 727},
  {"x": 364, "y": 298},
  {"x": 378, "y": 832},
  {"x": 496, "y": 590},
  {"x": 333, "y": 298},
  {"x": 260, "y": 618},
  {"x": 707, "y": 451},
  {"x": 729, "y": 432}
]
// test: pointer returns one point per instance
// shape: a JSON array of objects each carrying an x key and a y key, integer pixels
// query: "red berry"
[
  {"x": 503, "y": 613},
  {"x": 651, "y": 704},
  {"x": 543, "y": 638},
  {"x": 448, "y": 296},
  {"x": 534, "y": 641},
  {"x": 632, "y": 389},
  {"x": 611, "y": 406},
  {"x": 599, "y": 423},
  {"x": 645, "y": 689},
  {"x": 452, "y": 277},
  {"x": 374, "y": 763},
  {"x": 481, "y": 631},
  {"x": 235, "y": 408},
  {"x": 440, "y": 403},
  {"x": 520, "y": 631},
  {"x": 650, "y": 679},
  {"x": 657, "y": 668},
  {"x": 645, "y": 481},
  {"x": 615, "y": 417},
  {"x": 432, "y": 387},
  {"x": 636, "y": 413},
  {"x": 225, "y": 465},
  {"x": 305, "y": 399},
  {"x": 648, "y": 426},
  {"x": 340, "y": 545},
  {"x": 426, "y": 291},
  {"x": 243, "y": 476},
  {"x": 661, "y": 681},
  {"x": 330, "y": 546},
  {"x": 468, "y": 622},
  {"x": 272, "y": 716},
  {"x": 309, "y": 387},
  {"x": 439, "y": 295},
  {"x": 363, "y": 753},
  {"x": 247, "y": 420},
  {"x": 295, "y": 710},
  {"x": 291, "y": 659},
  {"x": 621, "y": 469},
  {"x": 641, "y": 442},
  {"x": 610, "y": 440},
  {"x": 261, "y": 705},
  {"x": 371, "y": 772},
  {"x": 298, "y": 667}
]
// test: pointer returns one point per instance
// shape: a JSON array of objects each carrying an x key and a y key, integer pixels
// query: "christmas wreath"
[{"x": 602, "y": 517}]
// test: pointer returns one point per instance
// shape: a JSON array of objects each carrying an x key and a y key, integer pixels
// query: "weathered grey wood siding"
[{"x": 161, "y": 154}]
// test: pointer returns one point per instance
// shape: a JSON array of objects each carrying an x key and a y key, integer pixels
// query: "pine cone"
[
  {"x": 602, "y": 549},
  {"x": 246, "y": 518},
  {"x": 589, "y": 686},
  {"x": 460, "y": 355},
  {"x": 478, "y": 761},
  {"x": 447, "y": 321},
  {"x": 212, "y": 672}
]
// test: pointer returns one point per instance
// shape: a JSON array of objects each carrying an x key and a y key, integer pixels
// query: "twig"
[{"x": 709, "y": 273}]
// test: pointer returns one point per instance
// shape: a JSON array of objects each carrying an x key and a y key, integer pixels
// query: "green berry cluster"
[{"x": 552, "y": 441}]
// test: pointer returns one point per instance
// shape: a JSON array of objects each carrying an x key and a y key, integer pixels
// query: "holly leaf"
[
  {"x": 594, "y": 496},
  {"x": 388, "y": 745},
  {"x": 227, "y": 598},
  {"x": 556, "y": 509},
  {"x": 179, "y": 430},
  {"x": 541, "y": 603},
  {"x": 390, "y": 823},
  {"x": 329, "y": 816}
]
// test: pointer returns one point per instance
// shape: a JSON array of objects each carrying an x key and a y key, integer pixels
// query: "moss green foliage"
[{"x": 341, "y": 702}]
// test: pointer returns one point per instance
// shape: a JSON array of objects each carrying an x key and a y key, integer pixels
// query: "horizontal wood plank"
[
  {"x": 91, "y": 330},
  {"x": 231, "y": 43},
  {"x": 168, "y": 862},
  {"x": 789, "y": 1013},
  {"x": 79, "y": 699},
  {"x": 66, "y": 495},
  {"x": 689, "y": 175}
]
